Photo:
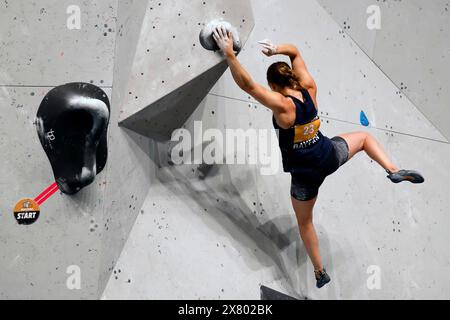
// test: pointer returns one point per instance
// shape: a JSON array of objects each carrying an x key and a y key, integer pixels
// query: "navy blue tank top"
[{"x": 303, "y": 147}]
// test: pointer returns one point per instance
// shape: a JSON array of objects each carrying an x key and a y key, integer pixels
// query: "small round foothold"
[{"x": 206, "y": 35}]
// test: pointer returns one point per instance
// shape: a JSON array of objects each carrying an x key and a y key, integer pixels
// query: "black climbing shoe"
[
  {"x": 322, "y": 278},
  {"x": 72, "y": 124},
  {"x": 406, "y": 175}
]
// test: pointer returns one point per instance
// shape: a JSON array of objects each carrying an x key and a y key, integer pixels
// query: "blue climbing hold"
[{"x": 363, "y": 119}]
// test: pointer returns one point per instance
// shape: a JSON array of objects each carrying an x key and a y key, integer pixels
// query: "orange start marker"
[{"x": 27, "y": 211}]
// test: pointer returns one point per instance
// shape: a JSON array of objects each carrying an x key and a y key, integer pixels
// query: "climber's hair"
[{"x": 281, "y": 74}]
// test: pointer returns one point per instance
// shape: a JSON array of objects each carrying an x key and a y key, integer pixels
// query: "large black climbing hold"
[
  {"x": 72, "y": 124},
  {"x": 270, "y": 294},
  {"x": 207, "y": 40}
]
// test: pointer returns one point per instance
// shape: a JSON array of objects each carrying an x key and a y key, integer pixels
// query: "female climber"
[{"x": 307, "y": 154}]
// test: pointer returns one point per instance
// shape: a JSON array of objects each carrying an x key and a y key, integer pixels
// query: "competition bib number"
[{"x": 307, "y": 131}]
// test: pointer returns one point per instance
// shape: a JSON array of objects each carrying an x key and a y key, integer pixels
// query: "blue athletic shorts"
[{"x": 305, "y": 187}]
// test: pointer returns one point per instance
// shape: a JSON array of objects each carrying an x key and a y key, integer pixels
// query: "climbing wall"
[
  {"x": 222, "y": 231},
  {"x": 71, "y": 250},
  {"x": 38, "y": 53},
  {"x": 411, "y": 46},
  {"x": 171, "y": 72},
  {"x": 156, "y": 88}
]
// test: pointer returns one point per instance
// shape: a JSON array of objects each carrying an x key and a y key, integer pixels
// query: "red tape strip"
[{"x": 47, "y": 193}]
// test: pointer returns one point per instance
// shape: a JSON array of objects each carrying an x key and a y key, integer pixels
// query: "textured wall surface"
[
  {"x": 149, "y": 229},
  {"x": 111, "y": 49},
  {"x": 38, "y": 53},
  {"x": 221, "y": 231},
  {"x": 129, "y": 163},
  {"x": 411, "y": 47},
  {"x": 171, "y": 72},
  {"x": 39, "y": 49}
]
